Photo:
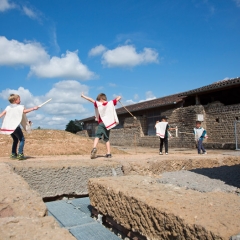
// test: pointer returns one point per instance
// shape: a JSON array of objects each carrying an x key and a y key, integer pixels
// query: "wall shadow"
[{"x": 228, "y": 174}]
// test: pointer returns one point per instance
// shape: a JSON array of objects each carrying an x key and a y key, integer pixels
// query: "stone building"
[{"x": 217, "y": 105}]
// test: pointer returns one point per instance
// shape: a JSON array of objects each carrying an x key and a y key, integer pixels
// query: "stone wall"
[
  {"x": 83, "y": 133},
  {"x": 129, "y": 135},
  {"x": 159, "y": 211},
  {"x": 218, "y": 121},
  {"x": 23, "y": 213},
  {"x": 220, "y": 124},
  {"x": 56, "y": 178}
]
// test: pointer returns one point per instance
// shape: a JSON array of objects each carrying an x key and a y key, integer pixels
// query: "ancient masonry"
[{"x": 219, "y": 123}]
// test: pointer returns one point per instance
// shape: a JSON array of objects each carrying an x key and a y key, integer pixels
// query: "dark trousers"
[
  {"x": 165, "y": 142},
  {"x": 17, "y": 135},
  {"x": 200, "y": 146}
]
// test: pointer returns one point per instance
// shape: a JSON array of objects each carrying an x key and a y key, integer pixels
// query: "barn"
[{"x": 217, "y": 105}]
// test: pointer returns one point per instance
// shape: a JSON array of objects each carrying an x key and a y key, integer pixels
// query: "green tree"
[{"x": 72, "y": 127}]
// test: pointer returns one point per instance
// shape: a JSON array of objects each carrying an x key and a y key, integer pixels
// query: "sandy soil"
[{"x": 52, "y": 142}]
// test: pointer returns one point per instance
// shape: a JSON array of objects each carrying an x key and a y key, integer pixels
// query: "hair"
[
  {"x": 101, "y": 96},
  {"x": 198, "y": 122},
  {"x": 13, "y": 97}
]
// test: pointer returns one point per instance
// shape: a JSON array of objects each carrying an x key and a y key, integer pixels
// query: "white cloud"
[
  {"x": 66, "y": 104},
  {"x": 30, "y": 13},
  {"x": 6, "y": 5},
  {"x": 112, "y": 85},
  {"x": 127, "y": 56},
  {"x": 98, "y": 50},
  {"x": 149, "y": 96},
  {"x": 34, "y": 55},
  {"x": 17, "y": 53},
  {"x": 68, "y": 66},
  {"x": 130, "y": 102},
  {"x": 237, "y": 2}
]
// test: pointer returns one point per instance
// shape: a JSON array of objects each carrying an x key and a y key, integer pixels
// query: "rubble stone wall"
[
  {"x": 63, "y": 177},
  {"x": 218, "y": 121},
  {"x": 159, "y": 211},
  {"x": 129, "y": 135},
  {"x": 22, "y": 211}
]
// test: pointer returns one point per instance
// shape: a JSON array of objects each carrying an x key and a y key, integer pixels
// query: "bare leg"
[
  {"x": 108, "y": 147},
  {"x": 95, "y": 142}
]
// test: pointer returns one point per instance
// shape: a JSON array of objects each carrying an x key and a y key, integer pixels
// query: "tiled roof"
[
  {"x": 214, "y": 86},
  {"x": 158, "y": 102}
]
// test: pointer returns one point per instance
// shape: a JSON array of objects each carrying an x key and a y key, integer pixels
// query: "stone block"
[
  {"x": 159, "y": 211},
  {"x": 21, "y": 228},
  {"x": 59, "y": 177},
  {"x": 22, "y": 211}
]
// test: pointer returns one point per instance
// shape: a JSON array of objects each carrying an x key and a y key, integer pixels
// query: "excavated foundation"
[
  {"x": 140, "y": 206},
  {"x": 164, "y": 211}
]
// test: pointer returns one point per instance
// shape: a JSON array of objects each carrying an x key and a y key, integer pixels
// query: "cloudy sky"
[{"x": 138, "y": 49}]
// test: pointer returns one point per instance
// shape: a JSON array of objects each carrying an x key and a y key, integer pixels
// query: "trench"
[{"x": 65, "y": 194}]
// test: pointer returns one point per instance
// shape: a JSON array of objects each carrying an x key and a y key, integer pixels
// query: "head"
[
  {"x": 164, "y": 119},
  {"x": 198, "y": 124},
  {"x": 101, "y": 97},
  {"x": 14, "y": 98}
]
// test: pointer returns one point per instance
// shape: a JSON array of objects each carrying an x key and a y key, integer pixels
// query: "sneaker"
[
  {"x": 21, "y": 156},
  {"x": 13, "y": 156},
  {"x": 166, "y": 153},
  {"x": 160, "y": 153},
  {"x": 108, "y": 155},
  {"x": 204, "y": 152},
  {"x": 93, "y": 153}
]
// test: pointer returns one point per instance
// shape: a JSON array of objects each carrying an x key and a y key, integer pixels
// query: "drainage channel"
[{"x": 75, "y": 215}]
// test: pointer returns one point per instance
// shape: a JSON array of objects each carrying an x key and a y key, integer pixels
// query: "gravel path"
[{"x": 205, "y": 180}]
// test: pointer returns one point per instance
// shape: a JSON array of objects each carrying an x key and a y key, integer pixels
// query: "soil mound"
[{"x": 42, "y": 142}]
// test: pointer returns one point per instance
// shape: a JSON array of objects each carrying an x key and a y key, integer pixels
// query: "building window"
[{"x": 152, "y": 117}]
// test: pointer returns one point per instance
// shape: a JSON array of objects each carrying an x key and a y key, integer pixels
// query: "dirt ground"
[
  {"x": 61, "y": 145},
  {"x": 52, "y": 142}
]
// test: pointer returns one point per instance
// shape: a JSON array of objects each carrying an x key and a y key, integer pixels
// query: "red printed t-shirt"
[{"x": 104, "y": 104}]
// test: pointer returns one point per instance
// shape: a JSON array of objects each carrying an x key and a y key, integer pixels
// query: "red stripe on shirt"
[
  {"x": 110, "y": 125},
  {"x": 104, "y": 104}
]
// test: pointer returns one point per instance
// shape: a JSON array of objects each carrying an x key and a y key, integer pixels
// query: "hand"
[
  {"x": 118, "y": 98},
  {"x": 82, "y": 94}
]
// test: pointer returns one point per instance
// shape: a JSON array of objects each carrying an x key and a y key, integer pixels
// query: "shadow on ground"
[{"x": 228, "y": 174}]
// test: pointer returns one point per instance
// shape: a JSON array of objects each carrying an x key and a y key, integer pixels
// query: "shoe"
[
  {"x": 21, "y": 156},
  {"x": 166, "y": 153},
  {"x": 93, "y": 153},
  {"x": 160, "y": 153},
  {"x": 204, "y": 152},
  {"x": 13, "y": 156},
  {"x": 108, "y": 155}
]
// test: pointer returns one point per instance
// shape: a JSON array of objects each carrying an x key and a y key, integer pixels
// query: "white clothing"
[
  {"x": 161, "y": 129},
  {"x": 13, "y": 118},
  {"x": 107, "y": 113}
]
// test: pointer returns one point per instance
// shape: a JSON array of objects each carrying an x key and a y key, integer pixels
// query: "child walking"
[
  {"x": 200, "y": 133},
  {"x": 14, "y": 115},
  {"x": 107, "y": 119},
  {"x": 162, "y": 129}
]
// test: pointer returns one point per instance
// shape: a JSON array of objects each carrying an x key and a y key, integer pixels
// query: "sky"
[{"x": 137, "y": 49}]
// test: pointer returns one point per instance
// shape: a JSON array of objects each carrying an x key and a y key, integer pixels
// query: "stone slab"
[
  {"x": 21, "y": 228},
  {"x": 22, "y": 211},
  {"x": 164, "y": 211},
  {"x": 61, "y": 177},
  {"x": 17, "y": 198}
]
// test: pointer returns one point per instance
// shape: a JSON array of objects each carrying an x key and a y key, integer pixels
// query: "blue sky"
[{"x": 138, "y": 49}]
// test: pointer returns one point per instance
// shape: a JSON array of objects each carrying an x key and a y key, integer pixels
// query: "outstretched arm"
[
  {"x": 87, "y": 98},
  {"x": 30, "y": 109},
  {"x": 118, "y": 98},
  {"x": 2, "y": 113}
]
